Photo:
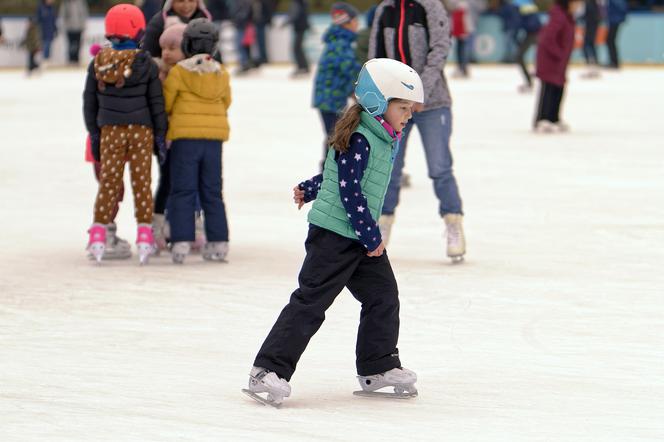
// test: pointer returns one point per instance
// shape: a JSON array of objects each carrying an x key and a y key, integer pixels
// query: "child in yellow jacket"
[{"x": 197, "y": 95}]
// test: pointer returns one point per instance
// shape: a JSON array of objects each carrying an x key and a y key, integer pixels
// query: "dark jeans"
[
  {"x": 329, "y": 121},
  {"x": 195, "y": 167},
  {"x": 46, "y": 48},
  {"x": 32, "y": 61},
  {"x": 261, "y": 43},
  {"x": 548, "y": 107},
  {"x": 589, "y": 36},
  {"x": 74, "y": 39},
  {"x": 298, "y": 51},
  {"x": 462, "y": 55},
  {"x": 526, "y": 41},
  {"x": 614, "y": 60},
  {"x": 332, "y": 263}
]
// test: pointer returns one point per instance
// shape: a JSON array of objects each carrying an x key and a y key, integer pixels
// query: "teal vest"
[{"x": 328, "y": 211}]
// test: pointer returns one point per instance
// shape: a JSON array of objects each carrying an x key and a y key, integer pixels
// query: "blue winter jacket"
[
  {"x": 337, "y": 70},
  {"x": 616, "y": 11},
  {"x": 47, "y": 21}
]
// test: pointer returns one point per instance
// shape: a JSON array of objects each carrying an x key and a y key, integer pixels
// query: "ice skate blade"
[
  {"x": 383, "y": 394},
  {"x": 260, "y": 399}
]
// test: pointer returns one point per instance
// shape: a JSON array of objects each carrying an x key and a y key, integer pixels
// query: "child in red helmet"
[{"x": 123, "y": 107}]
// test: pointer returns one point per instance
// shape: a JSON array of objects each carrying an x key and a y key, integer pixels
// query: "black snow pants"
[{"x": 332, "y": 262}]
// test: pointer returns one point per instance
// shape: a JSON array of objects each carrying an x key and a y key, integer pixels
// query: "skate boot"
[
  {"x": 262, "y": 380},
  {"x": 179, "y": 251},
  {"x": 158, "y": 230},
  {"x": 545, "y": 127},
  {"x": 385, "y": 226},
  {"x": 215, "y": 251},
  {"x": 97, "y": 241},
  {"x": 199, "y": 240},
  {"x": 456, "y": 242},
  {"x": 144, "y": 243},
  {"x": 401, "y": 379},
  {"x": 561, "y": 126},
  {"x": 116, "y": 247}
]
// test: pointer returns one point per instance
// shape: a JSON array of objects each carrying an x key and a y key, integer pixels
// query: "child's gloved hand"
[
  {"x": 95, "y": 139},
  {"x": 298, "y": 197},
  {"x": 160, "y": 149}
]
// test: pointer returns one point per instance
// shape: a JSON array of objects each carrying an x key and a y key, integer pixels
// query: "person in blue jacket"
[
  {"x": 616, "y": 13},
  {"x": 337, "y": 68},
  {"x": 46, "y": 17}
]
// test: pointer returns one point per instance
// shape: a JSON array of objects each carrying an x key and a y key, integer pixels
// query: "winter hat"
[
  {"x": 172, "y": 35},
  {"x": 168, "y": 5},
  {"x": 343, "y": 13}
]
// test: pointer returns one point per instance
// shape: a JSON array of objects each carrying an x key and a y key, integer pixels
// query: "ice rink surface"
[{"x": 552, "y": 330}]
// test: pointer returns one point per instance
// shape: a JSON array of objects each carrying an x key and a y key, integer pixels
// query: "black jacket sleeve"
[
  {"x": 90, "y": 101},
  {"x": 153, "y": 31},
  {"x": 156, "y": 102}
]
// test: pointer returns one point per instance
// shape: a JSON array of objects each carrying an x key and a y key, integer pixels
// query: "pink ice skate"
[
  {"x": 97, "y": 241},
  {"x": 144, "y": 242}
]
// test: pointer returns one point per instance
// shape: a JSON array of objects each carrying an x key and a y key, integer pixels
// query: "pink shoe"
[
  {"x": 97, "y": 241},
  {"x": 144, "y": 242}
]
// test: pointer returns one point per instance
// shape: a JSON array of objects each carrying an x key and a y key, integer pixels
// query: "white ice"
[{"x": 552, "y": 330}]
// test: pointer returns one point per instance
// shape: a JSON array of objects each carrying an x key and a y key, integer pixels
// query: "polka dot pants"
[{"x": 118, "y": 145}]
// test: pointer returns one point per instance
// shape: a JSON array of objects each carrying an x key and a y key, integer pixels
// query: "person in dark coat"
[
  {"x": 173, "y": 10},
  {"x": 554, "y": 47},
  {"x": 32, "y": 44},
  {"x": 46, "y": 17},
  {"x": 298, "y": 16},
  {"x": 241, "y": 14},
  {"x": 616, "y": 13},
  {"x": 529, "y": 26},
  {"x": 263, "y": 12},
  {"x": 591, "y": 19}
]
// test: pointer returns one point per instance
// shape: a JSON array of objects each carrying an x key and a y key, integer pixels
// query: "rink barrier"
[{"x": 641, "y": 40}]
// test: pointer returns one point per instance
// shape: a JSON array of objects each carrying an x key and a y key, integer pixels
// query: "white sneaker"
[
  {"x": 456, "y": 241},
  {"x": 262, "y": 380},
  {"x": 385, "y": 226},
  {"x": 215, "y": 251},
  {"x": 180, "y": 251},
  {"x": 402, "y": 379}
]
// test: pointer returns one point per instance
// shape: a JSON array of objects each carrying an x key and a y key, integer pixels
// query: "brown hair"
[{"x": 345, "y": 128}]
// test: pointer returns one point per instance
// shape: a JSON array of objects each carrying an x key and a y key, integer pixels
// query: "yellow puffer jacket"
[{"x": 197, "y": 93}]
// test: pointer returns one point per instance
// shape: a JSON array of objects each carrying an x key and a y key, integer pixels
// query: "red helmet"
[{"x": 124, "y": 21}]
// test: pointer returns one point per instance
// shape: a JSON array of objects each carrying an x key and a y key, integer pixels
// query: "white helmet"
[{"x": 382, "y": 79}]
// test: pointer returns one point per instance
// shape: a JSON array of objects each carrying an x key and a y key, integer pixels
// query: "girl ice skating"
[
  {"x": 124, "y": 114},
  {"x": 344, "y": 245}
]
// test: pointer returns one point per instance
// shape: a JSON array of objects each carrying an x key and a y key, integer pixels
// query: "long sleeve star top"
[{"x": 351, "y": 166}]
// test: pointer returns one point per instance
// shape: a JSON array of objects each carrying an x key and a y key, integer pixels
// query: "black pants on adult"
[
  {"x": 462, "y": 55},
  {"x": 332, "y": 262},
  {"x": 614, "y": 60},
  {"x": 298, "y": 51},
  {"x": 589, "y": 36},
  {"x": 526, "y": 40},
  {"x": 548, "y": 107},
  {"x": 74, "y": 40}
]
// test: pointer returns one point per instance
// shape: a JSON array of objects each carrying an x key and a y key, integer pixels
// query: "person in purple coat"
[{"x": 554, "y": 47}]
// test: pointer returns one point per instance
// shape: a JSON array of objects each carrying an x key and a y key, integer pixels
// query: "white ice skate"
[
  {"x": 179, "y": 251},
  {"x": 116, "y": 247},
  {"x": 199, "y": 234},
  {"x": 159, "y": 232},
  {"x": 400, "y": 379},
  {"x": 545, "y": 127},
  {"x": 97, "y": 242},
  {"x": 215, "y": 251},
  {"x": 385, "y": 226},
  {"x": 144, "y": 243},
  {"x": 456, "y": 241},
  {"x": 262, "y": 380}
]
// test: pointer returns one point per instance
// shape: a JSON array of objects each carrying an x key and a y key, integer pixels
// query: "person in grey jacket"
[
  {"x": 417, "y": 33},
  {"x": 74, "y": 14}
]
